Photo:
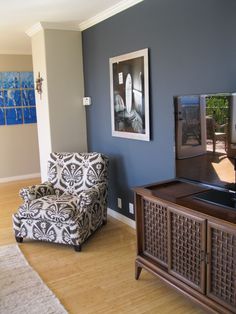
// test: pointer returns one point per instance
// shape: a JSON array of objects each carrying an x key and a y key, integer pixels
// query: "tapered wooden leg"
[
  {"x": 138, "y": 270},
  {"x": 77, "y": 248},
  {"x": 214, "y": 145},
  {"x": 19, "y": 239}
]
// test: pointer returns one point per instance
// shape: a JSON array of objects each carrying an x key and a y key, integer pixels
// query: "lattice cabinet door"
[
  {"x": 221, "y": 267},
  {"x": 155, "y": 244},
  {"x": 187, "y": 246}
]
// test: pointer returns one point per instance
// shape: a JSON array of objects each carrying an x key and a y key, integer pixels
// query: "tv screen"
[{"x": 205, "y": 138}]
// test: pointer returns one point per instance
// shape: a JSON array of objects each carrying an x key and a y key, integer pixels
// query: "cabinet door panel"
[
  {"x": 155, "y": 242},
  {"x": 187, "y": 244},
  {"x": 221, "y": 269}
]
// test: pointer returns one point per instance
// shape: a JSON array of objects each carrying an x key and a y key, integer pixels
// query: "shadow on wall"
[{"x": 118, "y": 186}]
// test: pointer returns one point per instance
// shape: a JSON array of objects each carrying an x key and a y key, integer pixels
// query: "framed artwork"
[
  {"x": 12, "y": 98},
  {"x": 17, "y": 98},
  {"x": 27, "y": 79},
  {"x": 29, "y": 115},
  {"x": 14, "y": 116},
  {"x": 10, "y": 80},
  {"x": 1, "y": 99},
  {"x": 130, "y": 95},
  {"x": 2, "y": 117}
]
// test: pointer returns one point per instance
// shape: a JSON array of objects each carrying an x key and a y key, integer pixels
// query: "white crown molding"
[
  {"x": 50, "y": 25},
  {"x": 60, "y": 26},
  {"x": 34, "y": 29},
  {"x": 119, "y": 7},
  {"x": 121, "y": 218}
]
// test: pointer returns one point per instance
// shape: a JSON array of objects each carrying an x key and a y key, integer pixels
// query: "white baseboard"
[
  {"x": 22, "y": 177},
  {"x": 121, "y": 218}
]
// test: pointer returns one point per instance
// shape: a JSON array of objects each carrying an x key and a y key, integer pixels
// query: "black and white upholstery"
[{"x": 70, "y": 206}]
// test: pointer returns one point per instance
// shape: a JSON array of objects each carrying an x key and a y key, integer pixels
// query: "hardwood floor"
[{"x": 100, "y": 279}]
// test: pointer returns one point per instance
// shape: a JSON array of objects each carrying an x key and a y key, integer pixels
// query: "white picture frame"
[{"x": 129, "y": 89}]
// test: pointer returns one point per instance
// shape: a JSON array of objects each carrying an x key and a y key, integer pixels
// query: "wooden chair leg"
[
  {"x": 138, "y": 270},
  {"x": 214, "y": 145},
  {"x": 77, "y": 248},
  {"x": 19, "y": 239}
]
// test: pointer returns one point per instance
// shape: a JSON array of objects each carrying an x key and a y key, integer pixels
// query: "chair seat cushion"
[{"x": 53, "y": 208}]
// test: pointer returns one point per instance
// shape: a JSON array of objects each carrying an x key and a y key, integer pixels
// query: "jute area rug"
[{"x": 21, "y": 288}]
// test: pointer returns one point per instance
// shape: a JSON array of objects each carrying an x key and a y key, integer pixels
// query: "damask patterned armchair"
[{"x": 70, "y": 206}]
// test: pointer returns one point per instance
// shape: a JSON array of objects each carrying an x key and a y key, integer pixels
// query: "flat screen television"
[{"x": 205, "y": 137}]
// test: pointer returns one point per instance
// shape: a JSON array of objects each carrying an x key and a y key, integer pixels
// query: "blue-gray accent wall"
[{"x": 192, "y": 49}]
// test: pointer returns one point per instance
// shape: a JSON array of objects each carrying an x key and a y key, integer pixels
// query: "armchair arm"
[
  {"x": 88, "y": 197},
  {"x": 36, "y": 191}
]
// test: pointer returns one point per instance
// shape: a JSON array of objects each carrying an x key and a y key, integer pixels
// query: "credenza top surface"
[{"x": 183, "y": 193}]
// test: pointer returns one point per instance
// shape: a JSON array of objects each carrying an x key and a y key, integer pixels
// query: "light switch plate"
[{"x": 86, "y": 101}]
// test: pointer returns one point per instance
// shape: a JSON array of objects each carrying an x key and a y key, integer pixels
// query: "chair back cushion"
[{"x": 72, "y": 173}]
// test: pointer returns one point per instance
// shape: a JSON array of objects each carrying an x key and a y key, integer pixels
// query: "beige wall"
[
  {"x": 19, "y": 144},
  {"x": 66, "y": 90},
  {"x": 57, "y": 55},
  {"x": 44, "y": 132}
]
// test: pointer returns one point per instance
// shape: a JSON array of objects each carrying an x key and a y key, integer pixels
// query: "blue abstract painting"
[
  {"x": 31, "y": 97},
  {"x": 27, "y": 79},
  {"x": 30, "y": 115},
  {"x": 28, "y": 98},
  {"x": 1, "y": 99},
  {"x": 12, "y": 98},
  {"x": 14, "y": 116},
  {"x": 11, "y": 80},
  {"x": 2, "y": 116},
  {"x": 17, "y": 98}
]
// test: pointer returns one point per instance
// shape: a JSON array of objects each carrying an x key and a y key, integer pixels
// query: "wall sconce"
[{"x": 38, "y": 86}]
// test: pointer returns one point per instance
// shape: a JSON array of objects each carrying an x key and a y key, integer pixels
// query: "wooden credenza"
[{"x": 189, "y": 243}]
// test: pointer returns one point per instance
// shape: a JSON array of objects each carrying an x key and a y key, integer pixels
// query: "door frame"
[{"x": 189, "y": 151}]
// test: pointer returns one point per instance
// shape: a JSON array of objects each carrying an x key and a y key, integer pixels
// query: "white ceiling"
[{"x": 17, "y": 16}]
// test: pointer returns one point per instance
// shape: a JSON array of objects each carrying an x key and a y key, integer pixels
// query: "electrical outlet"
[
  {"x": 131, "y": 208},
  {"x": 119, "y": 202},
  {"x": 86, "y": 101}
]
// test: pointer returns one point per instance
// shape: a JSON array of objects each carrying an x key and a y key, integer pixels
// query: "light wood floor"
[{"x": 100, "y": 279}]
